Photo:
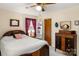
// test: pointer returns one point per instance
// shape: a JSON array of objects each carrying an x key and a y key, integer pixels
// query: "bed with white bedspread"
[{"x": 12, "y": 47}]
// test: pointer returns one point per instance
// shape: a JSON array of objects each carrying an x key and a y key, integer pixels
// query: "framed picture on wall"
[
  {"x": 66, "y": 25},
  {"x": 56, "y": 24},
  {"x": 39, "y": 29},
  {"x": 76, "y": 22},
  {"x": 14, "y": 22}
]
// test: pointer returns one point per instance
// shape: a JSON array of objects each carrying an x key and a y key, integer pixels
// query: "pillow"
[{"x": 18, "y": 36}]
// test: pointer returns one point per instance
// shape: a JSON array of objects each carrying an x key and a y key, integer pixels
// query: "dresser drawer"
[{"x": 69, "y": 43}]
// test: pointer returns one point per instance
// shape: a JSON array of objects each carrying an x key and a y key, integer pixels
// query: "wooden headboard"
[{"x": 12, "y": 32}]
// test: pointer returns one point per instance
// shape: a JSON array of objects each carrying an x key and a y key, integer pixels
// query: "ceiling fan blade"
[
  {"x": 49, "y": 3},
  {"x": 31, "y": 6},
  {"x": 44, "y": 3}
]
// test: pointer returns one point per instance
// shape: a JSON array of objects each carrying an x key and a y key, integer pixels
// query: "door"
[{"x": 47, "y": 23}]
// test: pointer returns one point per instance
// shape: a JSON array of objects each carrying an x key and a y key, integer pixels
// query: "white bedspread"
[{"x": 13, "y": 47}]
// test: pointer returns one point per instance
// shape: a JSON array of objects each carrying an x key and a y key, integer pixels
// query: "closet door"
[{"x": 47, "y": 24}]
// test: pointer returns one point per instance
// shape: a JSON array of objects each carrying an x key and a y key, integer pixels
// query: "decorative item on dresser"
[
  {"x": 76, "y": 22},
  {"x": 66, "y": 41},
  {"x": 65, "y": 25}
]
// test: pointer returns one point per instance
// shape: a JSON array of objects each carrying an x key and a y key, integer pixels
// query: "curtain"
[
  {"x": 34, "y": 25},
  {"x": 27, "y": 23}
]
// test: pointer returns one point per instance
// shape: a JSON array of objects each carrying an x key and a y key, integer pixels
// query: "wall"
[
  {"x": 67, "y": 14},
  {"x": 5, "y": 17}
]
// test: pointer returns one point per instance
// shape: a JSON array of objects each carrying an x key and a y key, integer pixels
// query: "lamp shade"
[{"x": 38, "y": 8}]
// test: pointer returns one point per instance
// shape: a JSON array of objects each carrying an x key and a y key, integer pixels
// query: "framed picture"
[
  {"x": 66, "y": 25},
  {"x": 56, "y": 24},
  {"x": 76, "y": 22},
  {"x": 14, "y": 22}
]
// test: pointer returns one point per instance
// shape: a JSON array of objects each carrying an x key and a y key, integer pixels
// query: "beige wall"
[
  {"x": 70, "y": 14},
  {"x": 5, "y": 17},
  {"x": 67, "y": 14}
]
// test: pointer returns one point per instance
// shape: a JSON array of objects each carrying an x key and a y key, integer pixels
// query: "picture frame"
[
  {"x": 65, "y": 25},
  {"x": 56, "y": 24},
  {"x": 76, "y": 22},
  {"x": 14, "y": 22}
]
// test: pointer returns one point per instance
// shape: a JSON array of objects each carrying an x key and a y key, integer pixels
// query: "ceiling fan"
[{"x": 40, "y": 6}]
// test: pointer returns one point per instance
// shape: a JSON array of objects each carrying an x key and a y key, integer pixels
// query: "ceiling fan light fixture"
[{"x": 39, "y": 8}]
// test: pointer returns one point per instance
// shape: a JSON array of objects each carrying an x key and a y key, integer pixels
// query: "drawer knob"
[
  {"x": 68, "y": 45},
  {"x": 68, "y": 40}
]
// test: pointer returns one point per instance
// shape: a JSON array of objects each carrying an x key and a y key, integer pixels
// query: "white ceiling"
[{"x": 20, "y": 7}]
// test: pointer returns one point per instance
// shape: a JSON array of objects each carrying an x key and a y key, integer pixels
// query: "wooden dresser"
[{"x": 66, "y": 41}]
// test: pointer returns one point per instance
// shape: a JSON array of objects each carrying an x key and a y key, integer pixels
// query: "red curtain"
[
  {"x": 34, "y": 25},
  {"x": 27, "y": 23}
]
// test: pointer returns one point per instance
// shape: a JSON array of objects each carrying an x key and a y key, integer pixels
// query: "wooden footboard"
[{"x": 44, "y": 51}]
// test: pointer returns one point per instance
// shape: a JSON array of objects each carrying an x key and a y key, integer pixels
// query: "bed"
[{"x": 26, "y": 46}]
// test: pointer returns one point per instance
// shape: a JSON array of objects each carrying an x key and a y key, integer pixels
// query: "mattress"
[{"x": 14, "y": 47}]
